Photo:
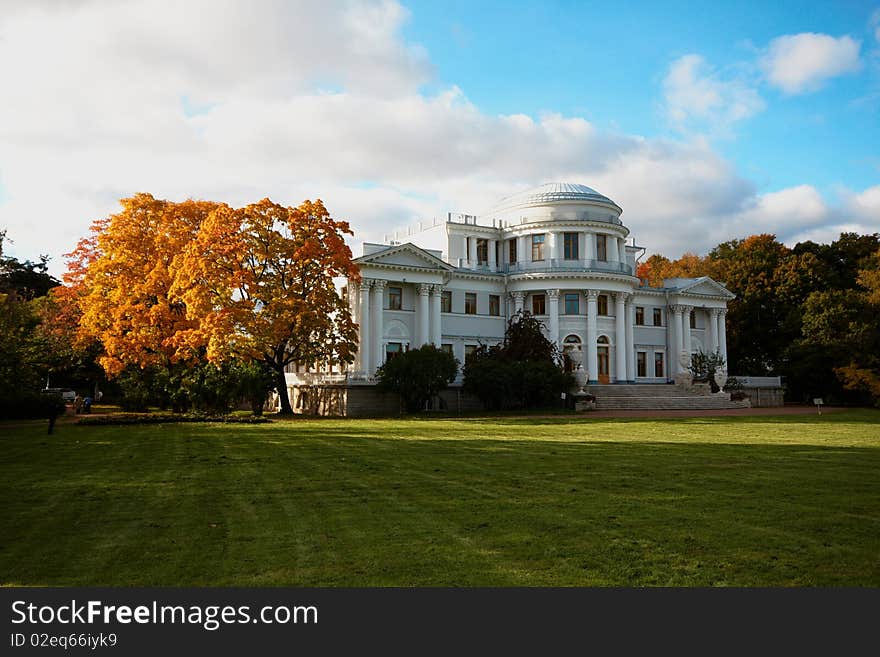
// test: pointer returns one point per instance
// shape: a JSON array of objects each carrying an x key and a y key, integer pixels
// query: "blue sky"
[
  {"x": 715, "y": 120},
  {"x": 606, "y": 62}
]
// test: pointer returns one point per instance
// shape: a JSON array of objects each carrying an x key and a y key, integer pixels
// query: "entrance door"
[{"x": 604, "y": 372}]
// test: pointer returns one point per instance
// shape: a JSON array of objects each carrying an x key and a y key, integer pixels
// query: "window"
[
  {"x": 469, "y": 350},
  {"x": 601, "y": 247},
  {"x": 482, "y": 251},
  {"x": 494, "y": 305},
  {"x": 497, "y": 252},
  {"x": 538, "y": 247},
  {"x": 470, "y": 303},
  {"x": 658, "y": 317},
  {"x": 693, "y": 319},
  {"x": 511, "y": 251},
  {"x": 658, "y": 364},
  {"x": 395, "y": 298},
  {"x": 447, "y": 348},
  {"x": 392, "y": 349},
  {"x": 602, "y": 304},
  {"x": 640, "y": 316},
  {"x": 641, "y": 363},
  {"x": 538, "y": 304},
  {"x": 570, "y": 246},
  {"x": 446, "y": 301},
  {"x": 572, "y": 304}
]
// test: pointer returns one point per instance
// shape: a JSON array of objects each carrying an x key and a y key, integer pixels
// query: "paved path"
[{"x": 716, "y": 412}]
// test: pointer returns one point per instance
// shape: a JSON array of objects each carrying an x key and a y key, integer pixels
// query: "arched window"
[
  {"x": 603, "y": 339},
  {"x": 572, "y": 339}
]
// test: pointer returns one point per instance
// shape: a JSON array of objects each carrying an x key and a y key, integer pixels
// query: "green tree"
[
  {"x": 418, "y": 375},
  {"x": 523, "y": 371}
]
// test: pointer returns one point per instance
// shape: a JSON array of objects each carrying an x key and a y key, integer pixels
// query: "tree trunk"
[{"x": 281, "y": 384}]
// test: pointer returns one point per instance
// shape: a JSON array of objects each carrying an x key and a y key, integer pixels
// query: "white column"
[
  {"x": 377, "y": 329},
  {"x": 464, "y": 251},
  {"x": 472, "y": 252},
  {"x": 713, "y": 329},
  {"x": 675, "y": 352},
  {"x": 620, "y": 336},
  {"x": 612, "y": 252},
  {"x": 553, "y": 313},
  {"x": 621, "y": 244},
  {"x": 722, "y": 335},
  {"x": 493, "y": 261},
  {"x": 590, "y": 251},
  {"x": 552, "y": 247},
  {"x": 524, "y": 254},
  {"x": 592, "y": 336},
  {"x": 436, "y": 326},
  {"x": 630, "y": 346},
  {"x": 364, "y": 328},
  {"x": 686, "y": 337},
  {"x": 423, "y": 319},
  {"x": 518, "y": 298}
]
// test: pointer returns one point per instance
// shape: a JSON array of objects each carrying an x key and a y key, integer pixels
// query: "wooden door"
[{"x": 604, "y": 372}]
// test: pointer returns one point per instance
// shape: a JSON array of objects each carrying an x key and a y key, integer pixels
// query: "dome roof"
[{"x": 552, "y": 193}]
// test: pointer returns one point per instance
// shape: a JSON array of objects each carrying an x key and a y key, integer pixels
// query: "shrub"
[
  {"x": 418, "y": 375},
  {"x": 164, "y": 418},
  {"x": 524, "y": 371},
  {"x": 31, "y": 405}
]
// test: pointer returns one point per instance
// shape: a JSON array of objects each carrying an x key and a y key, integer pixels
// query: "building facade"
[{"x": 559, "y": 251}]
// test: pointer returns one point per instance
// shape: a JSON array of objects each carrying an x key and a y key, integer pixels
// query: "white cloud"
[
  {"x": 304, "y": 100},
  {"x": 799, "y": 63},
  {"x": 875, "y": 23},
  {"x": 695, "y": 93}
]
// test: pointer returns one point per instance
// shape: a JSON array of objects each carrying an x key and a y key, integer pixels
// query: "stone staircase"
[{"x": 658, "y": 397}]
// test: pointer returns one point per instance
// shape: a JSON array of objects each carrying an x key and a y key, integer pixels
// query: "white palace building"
[{"x": 559, "y": 251}]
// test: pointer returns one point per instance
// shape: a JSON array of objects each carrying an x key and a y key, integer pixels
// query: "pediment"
[
  {"x": 404, "y": 255},
  {"x": 705, "y": 286}
]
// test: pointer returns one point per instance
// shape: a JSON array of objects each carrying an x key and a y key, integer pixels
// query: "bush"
[
  {"x": 524, "y": 371},
  {"x": 418, "y": 375},
  {"x": 31, "y": 405},
  {"x": 164, "y": 418}
]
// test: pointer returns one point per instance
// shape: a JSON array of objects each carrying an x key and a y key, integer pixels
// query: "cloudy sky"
[{"x": 704, "y": 124}]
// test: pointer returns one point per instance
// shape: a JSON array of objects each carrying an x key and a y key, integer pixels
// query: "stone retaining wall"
[{"x": 365, "y": 401}]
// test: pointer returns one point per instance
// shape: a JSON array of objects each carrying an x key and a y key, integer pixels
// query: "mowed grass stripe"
[{"x": 478, "y": 501}]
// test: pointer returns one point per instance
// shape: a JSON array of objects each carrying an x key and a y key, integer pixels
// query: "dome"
[{"x": 550, "y": 193}]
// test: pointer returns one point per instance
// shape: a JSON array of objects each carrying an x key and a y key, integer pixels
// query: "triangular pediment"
[
  {"x": 404, "y": 255},
  {"x": 705, "y": 286}
]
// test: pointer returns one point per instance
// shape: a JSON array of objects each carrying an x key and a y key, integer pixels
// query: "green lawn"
[{"x": 568, "y": 501}]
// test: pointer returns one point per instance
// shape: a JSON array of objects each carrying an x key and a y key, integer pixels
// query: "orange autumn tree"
[
  {"x": 121, "y": 275},
  {"x": 258, "y": 282}
]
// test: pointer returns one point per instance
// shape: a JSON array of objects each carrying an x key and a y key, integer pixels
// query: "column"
[
  {"x": 611, "y": 251},
  {"x": 377, "y": 329},
  {"x": 592, "y": 336},
  {"x": 364, "y": 328},
  {"x": 713, "y": 330},
  {"x": 493, "y": 262},
  {"x": 722, "y": 335},
  {"x": 423, "y": 320},
  {"x": 436, "y": 326},
  {"x": 523, "y": 251},
  {"x": 620, "y": 336},
  {"x": 686, "y": 337},
  {"x": 590, "y": 250},
  {"x": 675, "y": 355},
  {"x": 472, "y": 252},
  {"x": 518, "y": 298},
  {"x": 553, "y": 313},
  {"x": 630, "y": 346},
  {"x": 552, "y": 247},
  {"x": 621, "y": 244}
]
